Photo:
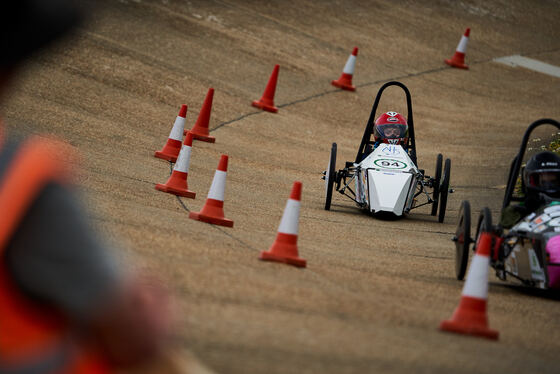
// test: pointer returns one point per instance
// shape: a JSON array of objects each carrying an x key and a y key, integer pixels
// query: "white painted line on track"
[{"x": 529, "y": 63}]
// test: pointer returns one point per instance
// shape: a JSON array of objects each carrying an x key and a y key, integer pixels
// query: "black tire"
[
  {"x": 444, "y": 190},
  {"x": 330, "y": 177},
  {"x": 462, "y": 240},
  {"x": 437, "y": 181},
  {"x": 484, "y": 224}
]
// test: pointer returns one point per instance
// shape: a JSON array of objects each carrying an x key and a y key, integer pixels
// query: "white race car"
[{"x": 387, "y": 179}]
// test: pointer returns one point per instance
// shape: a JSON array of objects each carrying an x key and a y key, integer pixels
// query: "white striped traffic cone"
[
  {"x": 213, "y": 210},
  {"x": 284, "y": 249},
  {"x": 172, "y": 148},
  {"x": 177, "y": 182},
  {"x": 458, "y": 59},
  {"x": 470, "y": 316},
  {"x": 345, "y": 80}
]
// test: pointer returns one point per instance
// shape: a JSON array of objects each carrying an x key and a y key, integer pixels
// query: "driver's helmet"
[
  {"x": 391, "y": 127},
  {"x": 542, "y": 176}
]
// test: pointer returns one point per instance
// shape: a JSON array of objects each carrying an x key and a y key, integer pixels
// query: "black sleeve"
[{"x": 56, "y": 258}]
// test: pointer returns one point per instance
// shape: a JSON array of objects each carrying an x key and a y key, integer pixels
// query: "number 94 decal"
[{"x": 389, "y": 164}]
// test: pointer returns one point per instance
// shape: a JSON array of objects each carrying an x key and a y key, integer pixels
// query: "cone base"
[
  {"x": 204, "y": 138},
  {"x": 212, "y": 220},
  {"x": 295, "y": 261},
  {"x": 456, "y": 64},
  {"x": 343, "y": 85},
  {"x": 269, "y": 108},
  {"x": 468, "y": 329},
  {"x": 175, "y": 191},
  {"x": 166, "y": 156}
]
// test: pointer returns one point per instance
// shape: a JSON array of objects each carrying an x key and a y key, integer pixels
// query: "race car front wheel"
[
  {"x": 437, "y": 181},
  {"x": 330, "y": 176},
  {"x": 444, "y": 189},
  {"x": 462, "y": 240}
]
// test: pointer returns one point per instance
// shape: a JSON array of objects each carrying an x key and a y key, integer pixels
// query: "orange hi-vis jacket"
[{"x": 34, "y": 338}]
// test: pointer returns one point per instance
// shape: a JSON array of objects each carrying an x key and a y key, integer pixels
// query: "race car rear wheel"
[
  {"x": 484, "y": 224},
  {"x": 437, "y": 181},
  {"x": 444, "y": 190},
  {"x": 462, "y": 240},
  {"x": 330, "y": 177}
]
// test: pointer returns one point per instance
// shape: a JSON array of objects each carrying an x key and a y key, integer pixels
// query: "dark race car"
[{"x": 528, "y": 251}]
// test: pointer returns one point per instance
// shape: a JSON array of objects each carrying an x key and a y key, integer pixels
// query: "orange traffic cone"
[
  {"x": 267, "y": 100},
  {"x": 172, "y": 148},
  {"x": 458, "y": 59},
  {"x": 284, "y": 249},
  {"x": 470, "y": 316},
  {"x": 200, "y": 128},
  {"x": 177, "y": 182},
  {"x": 213, "y": 210},
  {"x": 345, "y": 80}
]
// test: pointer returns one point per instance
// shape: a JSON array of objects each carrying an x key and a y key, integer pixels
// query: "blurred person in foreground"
[{"x": 65, "y": 306}]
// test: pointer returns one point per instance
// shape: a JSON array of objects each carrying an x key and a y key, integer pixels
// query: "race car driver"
[
  {"x": 541, "y": 184},
  {"x": 391, "y": 128}
]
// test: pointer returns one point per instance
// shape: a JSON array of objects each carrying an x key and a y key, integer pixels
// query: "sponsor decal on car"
[
  {"x": 511, "y": 262},
  {"x": 541, "y": 219},
  {"x": 539, "y": 229},
  {"x": 390, "y": 150},
  {"x": 530, "y": 216},
  {"x": 536, "y": 270},
  {"x": 523, "y": 226}
]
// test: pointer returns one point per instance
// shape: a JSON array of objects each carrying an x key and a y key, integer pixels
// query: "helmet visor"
[
  {"x": 392, "y": 131},
  {"x": 545, "y": 179}
]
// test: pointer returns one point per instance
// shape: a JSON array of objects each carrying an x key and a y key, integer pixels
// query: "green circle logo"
[{"x": 389, "y": 164}]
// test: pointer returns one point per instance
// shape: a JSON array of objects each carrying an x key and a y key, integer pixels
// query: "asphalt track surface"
[{"x": 374, "y": 291}]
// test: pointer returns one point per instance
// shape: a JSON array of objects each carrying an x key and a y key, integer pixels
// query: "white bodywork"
[{"x": 386, "y": 180}]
